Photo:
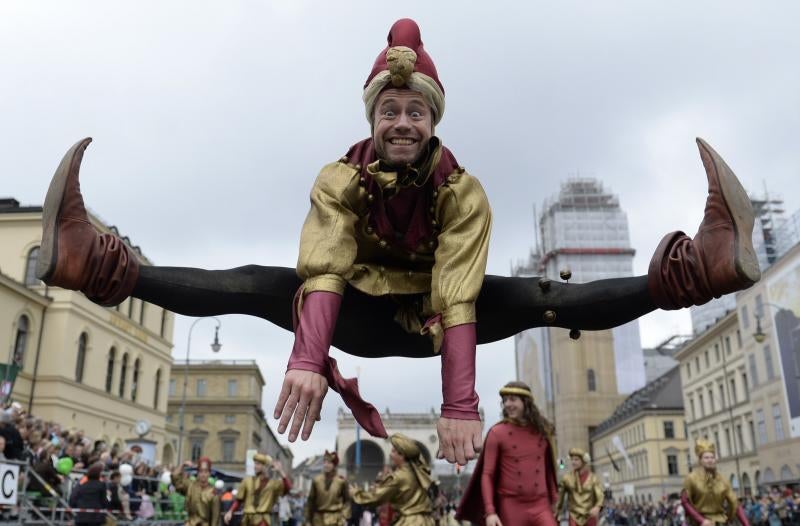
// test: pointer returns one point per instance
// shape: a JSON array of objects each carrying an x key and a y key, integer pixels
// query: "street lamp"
[
  {"x": 759, "y": 336},
  {"x": 215, "y": 347}
]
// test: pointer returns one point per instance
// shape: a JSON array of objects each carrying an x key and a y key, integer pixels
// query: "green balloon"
[
  {"x": 64, "y": 465},
  {"x": 212, "y": 481}
]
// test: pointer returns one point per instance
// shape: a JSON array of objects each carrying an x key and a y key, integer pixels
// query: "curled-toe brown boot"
[
  {"x": 720, "y": 259},
  {"x": 73, "y": 254}
]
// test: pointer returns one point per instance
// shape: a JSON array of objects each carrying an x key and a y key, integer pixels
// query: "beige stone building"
[
  {"x": 84, "y": 366},
  {"x": 716, "y": 393},
  {"x": 649, "y": 427},
  {"x": 223, "y": 414}
]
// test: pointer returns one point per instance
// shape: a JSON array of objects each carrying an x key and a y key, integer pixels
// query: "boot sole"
[
  {"x": 741, "y": 211},
  {"x": 51, "y": 213}
]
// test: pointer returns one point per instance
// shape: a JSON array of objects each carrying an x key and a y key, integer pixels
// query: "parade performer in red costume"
[
  {"x": 514, "y": 481},
  {"x": 392, "y": 260}
]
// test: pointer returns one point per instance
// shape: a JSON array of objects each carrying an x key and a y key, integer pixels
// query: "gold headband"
[{"x": 517, "y": 391}]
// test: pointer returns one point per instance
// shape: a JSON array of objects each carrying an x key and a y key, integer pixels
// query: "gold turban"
[
  {"x": 262, "y": 458},
  {"x": 704, "y": 446},
  {"x": 516, "y": 391},
  {"x": 581, "y": 454},
  {"x": 410, "y": 450}
]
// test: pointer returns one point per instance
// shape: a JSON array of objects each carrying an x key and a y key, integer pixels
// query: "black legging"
[{"x": 366, "y": 326}]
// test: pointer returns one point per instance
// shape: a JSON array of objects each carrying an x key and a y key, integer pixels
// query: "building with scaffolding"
[{"x": 582, "y": 228}]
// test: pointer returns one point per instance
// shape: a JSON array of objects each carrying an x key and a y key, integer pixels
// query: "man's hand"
[
  {"x": 707, "y": 522},
  {"x": 594, "y": 512},
  {"x": 493, "y": 520},
  {"x": 301, "y": 396},
  {"x": 228, "y": 516},
  {"x": 459, "y": 440}
]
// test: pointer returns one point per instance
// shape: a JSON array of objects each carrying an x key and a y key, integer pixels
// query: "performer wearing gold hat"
[
  {"x": 328, "y": 502},
  {"x": 202, "y": 502},
  {"x": 514, "y": 481},
  {"x": 406, "y": 488},
  {"x": 707, "y": 497},
  {"x": 260, "y": 492},
  {"x": 581, "y": 489}
]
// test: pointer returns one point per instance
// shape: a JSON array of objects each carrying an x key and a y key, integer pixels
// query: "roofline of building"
[
  {"x": 22, "y": 290},
  {"x": 706, "y": 335},
  {"x": 598, "y": 433}
]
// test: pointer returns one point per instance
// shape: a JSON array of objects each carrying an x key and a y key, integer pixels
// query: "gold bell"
[
  {"x": 574, "y": 334},
  {"x": 383, "y": 243},
  {"x": 371, "y": 198},
  {"x": 370, "y": 230},
  {"x": 565, "y": 273},
  {"x": 544, "y": 284},
  {"x": 549, "y": 316}
]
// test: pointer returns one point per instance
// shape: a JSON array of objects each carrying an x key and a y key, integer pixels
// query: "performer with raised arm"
[
  {"x": 202, "y": 502},
  {"x": 257, "y": 495},
  {"x": 707, "y": 496},
  {"x": 392, "y": 260}
]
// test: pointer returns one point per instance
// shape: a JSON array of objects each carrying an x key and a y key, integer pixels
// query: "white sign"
[
  {"x": 628, "y": 490},
  {"x": 9, "y": 480}
]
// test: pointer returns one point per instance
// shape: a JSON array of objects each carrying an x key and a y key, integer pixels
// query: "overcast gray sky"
[{"x": 211, "y": 121}]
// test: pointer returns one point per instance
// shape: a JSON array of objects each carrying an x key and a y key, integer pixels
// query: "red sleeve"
[
  {"x": 740, "y": 514},
  {"x": 690, "y": 510},
  {"x": 287, "y": 485},
  {"x": 235, "y": 506},
  {"x": 459, "y": 399},
  {"x": 313, "y": 332},
  {"x": 490, "y": 455}
]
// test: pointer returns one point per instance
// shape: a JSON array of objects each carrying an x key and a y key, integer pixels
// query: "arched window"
[
  {"x": 123, "y": 372},
  {"x": 112, "y": 356},
  {"x": 590, "y": 380},
  {"x": 21, "y": 340},
  {"x": 157, "y": 390},
  {"x": 81, "y": 360},
  {"x": 30, "y": 268},
  {"x": 135, "y": 382}
]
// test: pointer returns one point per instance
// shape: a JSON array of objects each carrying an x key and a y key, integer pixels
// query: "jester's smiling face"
[{"x": 402, "y": 126}]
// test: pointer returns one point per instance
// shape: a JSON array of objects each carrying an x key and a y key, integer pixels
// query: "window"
[
  {"x": 762, "y": 427},
  {"x": 81, "y": 361},
  {"x": 198, "y": 419},
  {"x": 230, "y": 419},
  {"x": 669, "y": 429},
  {"x": 672, "y": 464},
  {"x": 728, "y": 448},
  {"x": 776, "y": 415},
  {"x": 202, "y": 387},
  {"x": 721, "y": 396},
  {"x": 590, "y": 380},
  {"x": 130, "y": 307},
  {"x": 752, "y": 434},
  {"x": 697, "y": 364},
  {"x": 716, "y": 352},
  {"x": 740, "y": 437},
  {"x": 694, "y": 413},
  {"x": 112, "y": 356},
  {"x": 173, "y": 387},
  {"x": 135, "y": 381},
  {"x": 30, "y": 268},
  {"x": 711, "y": 400},
  {"x": 163, "y": 322},
  {"x": 733, "y": 391},
  {"x": 21, "y": 340},
  {"x": 702, "y": 406},
  {"x": 123, "y": 372},
  {"x": 744, "y": 385},
  {"x": 753, "y": 370},
  {"x": 228, "y": 449},
  {"x": 705, "y": 358},
  {"x": 197, "y": 448},
  {"x": 728, "y": 345},
  {"x": 233, "y": 388},
  {"x": 688, "y": 371},
  {"x": 738, "y": 339},
  {"x": 141, "y": 312},
  {"x": 768, "y": 362},
  {"x": 745, "y": 319},
  {"x": 716, "y": 441},
  {"x": 157, "y": 390}
]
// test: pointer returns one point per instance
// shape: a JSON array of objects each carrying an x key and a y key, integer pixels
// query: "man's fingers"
[
  {"x": 460, "y": 457},
  {"x": 312, "y": 416},
  {"x": 469, "y": 451},
  {"x": 286, "y": 415},
  {"x": 285, "y": 392},
  {"x": 299, "y": 415},
  {"x": 477, "y": 443}
]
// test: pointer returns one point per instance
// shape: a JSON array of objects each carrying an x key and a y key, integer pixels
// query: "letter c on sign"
[{"x": 8, "y": 484}]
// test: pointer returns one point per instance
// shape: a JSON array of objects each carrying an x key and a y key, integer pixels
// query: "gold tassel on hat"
[
  {"x": 400, "y": 60},
  {"x": 704, "y": 446}
]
